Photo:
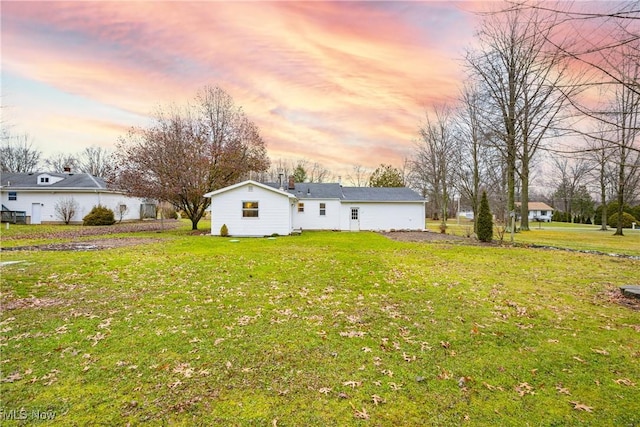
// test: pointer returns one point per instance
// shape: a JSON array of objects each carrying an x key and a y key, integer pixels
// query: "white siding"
[
  {"x": 311, "y": 219},
  {"x": 86, "y": 201},
  {"x": 385, "y": 216},
  {"x": 274, "y": 210}
]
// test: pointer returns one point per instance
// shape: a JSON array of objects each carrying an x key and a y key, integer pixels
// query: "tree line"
[{"x": 541, "y": 75}]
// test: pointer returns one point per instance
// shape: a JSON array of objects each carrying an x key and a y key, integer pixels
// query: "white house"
[
  {"x": 539, "y": 211},
  {"x": 251, "y": 208},
  {"x": 37, "y": 194}
]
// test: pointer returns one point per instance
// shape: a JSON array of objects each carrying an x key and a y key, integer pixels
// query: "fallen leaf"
[
  {"x": 325, "y": 390},
  {"x": 395, "y": 387},
  {"x": 625, "y": 381},
  {"x": 352, "y": 384},
  {"x": 581, "y": 407},
  {"x": 562, "y": 390},
  {"x": 524, "y": 388},
  {"x": 377, "y": 399}
]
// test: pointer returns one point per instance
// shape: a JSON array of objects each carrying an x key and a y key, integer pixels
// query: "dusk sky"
[{"x": 339, "y": 83}]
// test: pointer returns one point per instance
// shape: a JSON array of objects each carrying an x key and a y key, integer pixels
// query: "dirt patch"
[
  {"x": 31, "y": 302},
  {"x": 84, "y": 231},
  {"x": 87, "y": 245},
  {"x": 617, "y": 297},
  {"x": 426, "y": 236}
]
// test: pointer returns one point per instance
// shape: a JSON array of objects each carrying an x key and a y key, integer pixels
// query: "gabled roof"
[
  {"x": 313, "y": 190},
  {"x": 29, "y": 181},
  {"x": 536, "y": 206},
  {"x": 327, "y": 191},
  {"x": 381, "y": 194},
  {"x": 245, "y": 183}
]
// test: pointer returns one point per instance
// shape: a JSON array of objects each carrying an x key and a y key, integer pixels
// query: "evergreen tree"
[{"x": 485, "y": 221}]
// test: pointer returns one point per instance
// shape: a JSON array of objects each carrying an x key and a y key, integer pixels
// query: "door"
[
  {"x": 36, "y": 213},
  {"x": 354, "y": 225}
]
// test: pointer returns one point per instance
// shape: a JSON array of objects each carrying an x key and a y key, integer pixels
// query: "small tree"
[
  {"x": 121, "y": 211},
  {"x": 224, "y": 231},
  {"x": 485, "y": 221},
  {"x": 66, "y": 209}
]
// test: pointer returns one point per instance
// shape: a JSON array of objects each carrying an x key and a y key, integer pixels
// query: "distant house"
[
  {"x": 251, "y": 208},
  {"x": 35, "y": 195},
  {"x": 539, "y": 211}
]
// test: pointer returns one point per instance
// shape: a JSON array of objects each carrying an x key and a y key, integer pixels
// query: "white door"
[
  {"x": 355, "y": 219},
  {"x": 36, "y": 213}
]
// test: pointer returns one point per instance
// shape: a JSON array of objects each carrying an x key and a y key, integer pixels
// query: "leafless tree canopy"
[
  {"x": 66, "y": 209},
  {"x": 60, "y": 162},
  {"x": 189, "y": 151},
  {"x": 94, "y": 160},
  {"x": 18, "y": 154}
]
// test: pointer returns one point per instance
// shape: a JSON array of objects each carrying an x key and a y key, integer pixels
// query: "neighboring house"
[
  {"x": 251, "y": 208},
  {"x": 37, "y": 194},
  {"x": 539, "y": 211}
]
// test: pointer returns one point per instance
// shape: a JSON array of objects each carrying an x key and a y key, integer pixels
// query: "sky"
[{"x": 338, "y": 83}]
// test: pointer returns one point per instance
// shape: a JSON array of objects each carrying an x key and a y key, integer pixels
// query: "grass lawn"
[
  {"x": 562, "y": 235},
  {"x": 320, "y": 329}
]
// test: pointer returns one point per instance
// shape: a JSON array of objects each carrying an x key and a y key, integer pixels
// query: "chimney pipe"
[{"x": 67, "y": 169}]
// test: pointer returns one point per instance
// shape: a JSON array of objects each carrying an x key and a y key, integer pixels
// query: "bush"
[
  {"x": 99, "y": 215},
  {"x": 485, "y": 221},
  {"x": 611, "y": 209},
  {"x": 224, "y": 231},
  {"x": 627, "y": 219}
]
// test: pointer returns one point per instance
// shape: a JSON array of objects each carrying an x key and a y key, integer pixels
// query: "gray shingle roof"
[
  {"x": 357, "y": 194},
  {"x": 381, "y": 194},
  {"x": 30, "y": 181}
]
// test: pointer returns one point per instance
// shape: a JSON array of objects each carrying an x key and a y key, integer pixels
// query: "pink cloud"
[{"x": 341, "y": 83}]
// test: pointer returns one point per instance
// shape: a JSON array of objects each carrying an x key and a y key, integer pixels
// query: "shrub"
[
  {"x": 99, "y": 215},
  {"x": 611, "y": 209},
  {"x": 66, "y": 209},
  {"x": 224, "y": 231},
  {"x": 485, "y": 222},
  {"x": 627, "y": 219}
]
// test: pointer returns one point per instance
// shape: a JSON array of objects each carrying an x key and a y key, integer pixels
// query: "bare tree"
[
  {"x": 17, "y": 154},
  {"x": 94, "y": 160},
  {"x": 521, "y": 80},
  {"x": 359, "y": 176},
  {"x": 66, "y": 208},
  {"x": 626, "y": 119},
  {"x": 190, "y": 151},
  {"x": 599, "y": 155},
  {"x": 121, "y": 211},
  {"x": 571, "y": 175},
  {"x": 60, "y": 162},
  {"x": 433, "y": 162}
]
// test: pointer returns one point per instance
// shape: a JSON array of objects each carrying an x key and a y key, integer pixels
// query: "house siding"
[
  {"x": 86, "y": 201},
  {"x": 384, "y": 216},
  {"x": 274, "y": 212},
  {"x": 311, "y": 219}
]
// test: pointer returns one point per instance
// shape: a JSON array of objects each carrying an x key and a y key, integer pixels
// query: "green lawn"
[
  {"x": 562, "y": 235},
  {"x": 319, "y": 329}
]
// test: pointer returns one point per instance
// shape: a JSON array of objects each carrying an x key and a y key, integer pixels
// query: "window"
[
  {"x": 44, "y": 179},
  {"x": 323, "y": 209},
  {"x": 250, "y": 189},
  {"x": 13, "y": 195},
  {"x": 354, "y": 214},
  {"x": 543, "y": 213},
  {"x": 300, "y": 207},
  {"x": 250, "y": 209}
]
